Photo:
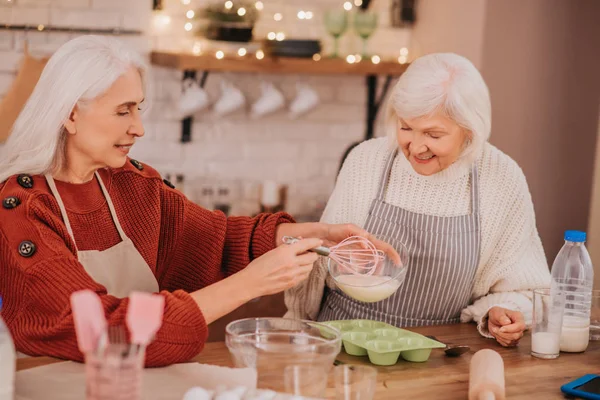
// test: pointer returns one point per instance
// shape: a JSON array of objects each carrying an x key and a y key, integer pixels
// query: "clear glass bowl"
[
  {"x": 381, "y": 284},
  {"x": 272, "y": 344}
]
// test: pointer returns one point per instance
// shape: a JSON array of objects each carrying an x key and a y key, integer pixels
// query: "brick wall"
[{"x": 235, "y": 151}]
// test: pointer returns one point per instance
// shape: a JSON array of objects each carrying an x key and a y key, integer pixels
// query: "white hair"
[
  {"x": 80, "y": 71},
  {"x": 447, "y": 83}
]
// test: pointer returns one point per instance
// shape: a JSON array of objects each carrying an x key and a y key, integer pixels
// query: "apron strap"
[
  {"x": 475, "y": 189},
  {"x": 61, "y": 205},
  {"x": 63, "y": 210},
  {"x": 386, "y": 175},
  {"x": 111, "y": 206}
]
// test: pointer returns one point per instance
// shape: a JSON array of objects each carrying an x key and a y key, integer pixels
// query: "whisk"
[{"x": 355, "y": 254}]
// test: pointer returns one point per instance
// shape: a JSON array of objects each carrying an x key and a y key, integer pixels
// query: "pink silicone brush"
[
  {"x": 90, "y": 321},
  {"x": 144, "y": 317}
]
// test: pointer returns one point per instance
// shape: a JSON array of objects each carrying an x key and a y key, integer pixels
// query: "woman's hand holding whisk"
[{"x": 332, "y": 234}]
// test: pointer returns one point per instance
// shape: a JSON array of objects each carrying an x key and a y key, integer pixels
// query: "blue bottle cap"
[{"x": 575, "y": 236}]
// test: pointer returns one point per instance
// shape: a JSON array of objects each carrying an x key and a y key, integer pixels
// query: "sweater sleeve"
[
  {"x": 37, "y": 310},
  {"x": 515, "y": 267},
  {"x": 199, "y": 247}
]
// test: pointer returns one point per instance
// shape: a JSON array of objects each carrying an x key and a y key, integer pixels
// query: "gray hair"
[
  {"x": 80, "y": 71},
  {"x": 448, "y": 83}
]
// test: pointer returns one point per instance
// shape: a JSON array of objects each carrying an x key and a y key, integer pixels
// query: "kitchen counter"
[{"x": 442, "y": 377}]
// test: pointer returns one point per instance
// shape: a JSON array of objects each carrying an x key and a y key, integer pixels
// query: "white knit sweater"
[{"x": 512, "y": 260}]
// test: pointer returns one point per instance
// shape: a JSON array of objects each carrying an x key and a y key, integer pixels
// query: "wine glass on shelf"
[
  {"x": 336, "y": 23},
  {"x": 365, "y": 23}
]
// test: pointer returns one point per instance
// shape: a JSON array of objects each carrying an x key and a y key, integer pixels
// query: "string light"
[
  {"x": 309, "y": 15},
  {"x": 229, "y": 4},
  {"x": 260, "y": 54},
  {"x": 347, "y": 6},
  {"x": 351, "y": 59},
  {"x": 375, "y": 59},
  {"x": 259, "y": 5},
  {"x": 190, "y": 14},
  {"x": 358, "y": 3},
  {"x": 241, "y": 11},
  {"x": 188, "y": 26},
  {"x": 197, "y": 49},
  {"x": 161, "y": 21},
  {"x": 404, "y": 51},
  {"x": 301, "y": 15},
  {"x": 277, "y": 17},
  {"x": 271, "y": 36},
  {"x": 317, "y": 57},
  {"x": 402, "y": 59},
  {"x": 358, "y": 58},
  {"x": 40, "y": 27},
  {"x": 242, "y": 52},
  {"x": 220, "y": 55},
  {"x": 280, "y": 36}
]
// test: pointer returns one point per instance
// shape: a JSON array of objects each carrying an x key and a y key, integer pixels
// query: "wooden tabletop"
[
  {"x": 274, "y": 65},
  {"x": 447, "y": 378}
]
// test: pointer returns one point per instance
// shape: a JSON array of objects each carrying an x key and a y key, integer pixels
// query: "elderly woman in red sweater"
[{"x": 77, "y": 213}]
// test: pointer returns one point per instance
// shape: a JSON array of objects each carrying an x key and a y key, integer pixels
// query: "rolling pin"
[{"x": 486, "y": 376}]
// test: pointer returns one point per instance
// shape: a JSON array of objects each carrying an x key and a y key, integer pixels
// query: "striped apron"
[{"x": 444, "y": 255}]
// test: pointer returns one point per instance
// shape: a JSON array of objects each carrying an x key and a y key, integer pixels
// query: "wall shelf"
[{"x": 272, "y": 65}]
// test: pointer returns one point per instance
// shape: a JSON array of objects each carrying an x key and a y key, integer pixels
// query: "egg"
[
  {"x": 197, "y": 393},
  {"x": 260, "y": 395},
  {"x": 236, "y": 393}
]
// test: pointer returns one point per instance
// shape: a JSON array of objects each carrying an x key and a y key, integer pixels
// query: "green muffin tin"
[{"x": 383, "y": 343}]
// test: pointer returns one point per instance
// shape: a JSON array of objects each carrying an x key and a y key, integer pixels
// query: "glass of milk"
[
  {"x": 381, "y": 284},
  {"x": 547, "y": 323}
]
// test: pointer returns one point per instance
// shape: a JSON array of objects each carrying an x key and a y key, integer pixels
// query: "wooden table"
[{"x": 447, "y": 378}]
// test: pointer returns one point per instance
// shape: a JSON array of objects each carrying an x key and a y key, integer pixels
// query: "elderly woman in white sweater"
[{"x": 460, "y": 205}]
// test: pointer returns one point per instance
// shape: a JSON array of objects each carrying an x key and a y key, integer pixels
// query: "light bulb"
[
  {"x": 241, "y": 11},
  {"x": 186, "y": 2},
  {"x": 351, "y": 59},
  {"x": 317, "y": 57},
  {"x": 259, "y": 5},
  {"x": 309, "y": 15},
  {"x": 301, "y": 15},
  {"x": 358, "y": 3},
  {"x": 197, "y": 49},
  {"x": 347, "y": 6},
  {"x": 219, "y": 54},
  {"x": 375, "y": 59},
  {"x": 280, "y": 36},
  {"x": 271, "y": 36},
  {"x": 229, "y": 4},
  {"x": 190, "y": 14},
  {"x": 402, "y": 59},
  {"x": 404, "y": 51},
  {"x": 188, "y": 26},
  {"x": 242, "y": 52},
  {"x": 260, "y": 54},
  {"x": 278, "y": 17}
]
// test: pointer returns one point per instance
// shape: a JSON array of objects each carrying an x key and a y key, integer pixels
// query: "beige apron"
[{"x": 121, "y": 268}]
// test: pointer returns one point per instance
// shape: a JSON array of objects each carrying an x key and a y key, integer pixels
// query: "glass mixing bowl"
[
  {"x": 387, "y": 277},
  {"x": 272, "y": 344}
]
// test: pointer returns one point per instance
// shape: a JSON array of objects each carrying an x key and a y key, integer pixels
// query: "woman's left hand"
[{"x": 507, "y": 326}]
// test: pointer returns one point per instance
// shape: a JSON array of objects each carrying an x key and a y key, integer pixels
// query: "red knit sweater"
[{"x": 186, "y": 246}]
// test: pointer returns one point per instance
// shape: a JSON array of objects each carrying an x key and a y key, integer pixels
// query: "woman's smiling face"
[{"x": 431, "y": 143}]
